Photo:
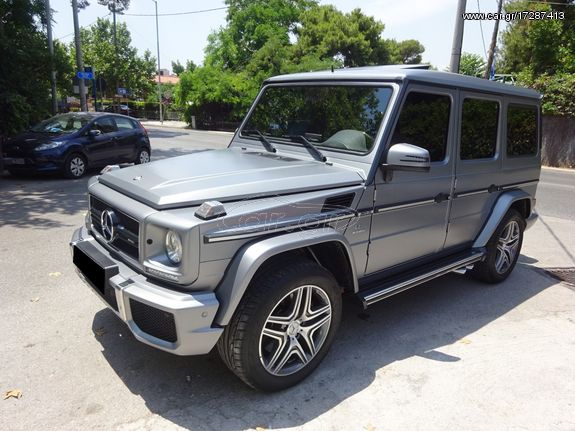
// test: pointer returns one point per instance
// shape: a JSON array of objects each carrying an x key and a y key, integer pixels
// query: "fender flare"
[
  {"x": 500, "y": 208},
  {"x": 250, "y": 258}
]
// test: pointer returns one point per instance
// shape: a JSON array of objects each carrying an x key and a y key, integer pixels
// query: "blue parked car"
[{"x": 71, "y": 143}]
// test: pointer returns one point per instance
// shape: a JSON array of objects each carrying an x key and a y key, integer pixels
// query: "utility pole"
[
  {"x": 51, "y": 51},
  {"x": 79, "y": 61},
  {"x": 457, "y": 37},
  {"x": 493, "y": 42},
  {"x": 115, "y": 53},
  {"x": 159, "y": 76}
]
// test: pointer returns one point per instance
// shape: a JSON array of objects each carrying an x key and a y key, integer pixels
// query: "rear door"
[
  {"x": 128, "y": 139},
  {"x": 477, "y": 167},
  {"x": 410, "y": 215}
]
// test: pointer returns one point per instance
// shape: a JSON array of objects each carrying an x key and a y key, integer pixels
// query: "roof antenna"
[{"x": 332, "y": 68}]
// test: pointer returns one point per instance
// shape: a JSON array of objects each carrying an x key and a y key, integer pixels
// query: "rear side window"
[
  {"x": 521, "y": 130},
  {"x": 479, "y": 121},
  {"x": 424, "y": 121},
  {"x": 124, "y": 123}
]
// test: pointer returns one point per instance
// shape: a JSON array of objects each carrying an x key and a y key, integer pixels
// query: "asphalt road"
[{"x": 450, "y": 354}]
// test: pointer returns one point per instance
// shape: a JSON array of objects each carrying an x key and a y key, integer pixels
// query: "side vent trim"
[{"x": 338, "y": 202}]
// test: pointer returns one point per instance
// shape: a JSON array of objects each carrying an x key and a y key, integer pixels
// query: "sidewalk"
[{"x": 167, "y": 123}]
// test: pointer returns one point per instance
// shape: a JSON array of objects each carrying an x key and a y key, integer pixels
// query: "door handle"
[{"x": 440, "y": 197}]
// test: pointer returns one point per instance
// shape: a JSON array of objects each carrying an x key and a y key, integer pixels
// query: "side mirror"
[
  {"x": 93, "y": 133},
  {"x": 407, "y": 157}
]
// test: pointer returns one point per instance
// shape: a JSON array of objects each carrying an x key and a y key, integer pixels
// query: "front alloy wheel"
[
  {"x": 283, "y": 326},
  {"x": 75, "y": 166},
  {"x": 295, "y": 330}
]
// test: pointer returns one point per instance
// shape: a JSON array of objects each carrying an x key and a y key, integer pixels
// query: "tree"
[
  {"x": 472, "y": 65},
  {"x": 24, "y": 74},
  {"x": 133, "y": 72},
  {"x": 250, "y": 24},
  {"x": 177, "y": 67},
  {"x": 405, "y": 52},
  {"x": 353, "y": 37},
  {"x": 541, "y": 52}
]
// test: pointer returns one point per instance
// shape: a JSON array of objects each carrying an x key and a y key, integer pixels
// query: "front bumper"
[{"x": 176, "y": 322}]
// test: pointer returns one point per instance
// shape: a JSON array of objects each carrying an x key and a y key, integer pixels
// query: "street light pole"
[
  {"x": 159, "y": 75},
  {"x": 79, "y": 61},
  {"x": 457, "y": 37},
  {"x": 51, "y": 51}
]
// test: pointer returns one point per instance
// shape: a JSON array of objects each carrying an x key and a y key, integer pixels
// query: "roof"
[{"x": 398, "y": 73}]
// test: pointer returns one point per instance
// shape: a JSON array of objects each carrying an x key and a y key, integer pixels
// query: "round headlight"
[{"x": 173, "y": 247}]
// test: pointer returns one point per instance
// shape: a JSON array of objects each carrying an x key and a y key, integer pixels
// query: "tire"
[
  {"x": 75, "y": 166},
  {"x": 143, "y": 156},
  {"x": 294, "y": 341},
  {"x": 503, "y": 250}
]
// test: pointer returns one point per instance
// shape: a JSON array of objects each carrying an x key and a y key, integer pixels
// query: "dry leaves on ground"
[
  {"x": 99, "y": 332},
  {"x": 13, "y": 393}
]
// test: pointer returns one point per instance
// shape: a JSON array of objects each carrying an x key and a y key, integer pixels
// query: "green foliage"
[
  {"x": 25, "y": 65},
  {"x": 117, "y": 6},
  {"x": 126, "y": 68},
  {"x": 177, "y": 67},
  {"x": 542, "y": 53},
  {"x": 263, "y": 38},
  {"x": 472, "y": 65}
]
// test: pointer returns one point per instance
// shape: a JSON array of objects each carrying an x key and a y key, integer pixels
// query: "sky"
[{"x": 184, "y": 37}]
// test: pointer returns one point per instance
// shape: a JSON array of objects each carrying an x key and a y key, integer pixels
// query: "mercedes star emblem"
[{"x": 109, "y": 221}]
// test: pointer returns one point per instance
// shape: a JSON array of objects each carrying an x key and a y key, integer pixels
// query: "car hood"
[
  {"x": 224, "y": 175},
  {"x": 30, "y": 139}
]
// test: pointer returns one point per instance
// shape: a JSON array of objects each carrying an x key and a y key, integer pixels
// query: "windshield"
[
  {"x": 337, "y": 117},
  {"x": 62, "y": 124}
]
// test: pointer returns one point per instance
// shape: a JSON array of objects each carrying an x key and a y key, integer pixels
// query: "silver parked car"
[{"x": 368, "y": 181}]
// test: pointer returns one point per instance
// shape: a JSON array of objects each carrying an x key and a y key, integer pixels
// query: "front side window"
[
  {"x": 479, "y": 121},
  {"x": 105, "y": 125},
  {"x": 337, "y": 117},
  {"x": 424, "y": 121},
  {"x": 521, "y": 130}
]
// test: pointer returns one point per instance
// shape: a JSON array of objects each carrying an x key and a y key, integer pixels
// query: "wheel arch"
[
  {"x": 516, "y": 199},
  {"x": 317, "y": 244}
]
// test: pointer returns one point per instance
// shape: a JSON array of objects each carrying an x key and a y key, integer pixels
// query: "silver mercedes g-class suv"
[{"x": 367, "y": 181}]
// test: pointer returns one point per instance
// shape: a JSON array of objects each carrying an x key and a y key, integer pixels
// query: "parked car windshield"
[
  {"x": 335, "y": 117},
  {"x": 62, "y": 124}
]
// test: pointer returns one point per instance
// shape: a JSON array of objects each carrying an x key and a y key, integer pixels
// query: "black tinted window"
[
  {"x": 521, "y": 130},
  {"x": 479, "y": 121},
  {"x": 338, "y": 117},
  {"x": 105, "y": 125},
  {"x": 424, "y": 121}
]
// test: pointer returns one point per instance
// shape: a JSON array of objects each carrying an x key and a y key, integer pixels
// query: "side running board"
[{"x": 402, "y": 282}]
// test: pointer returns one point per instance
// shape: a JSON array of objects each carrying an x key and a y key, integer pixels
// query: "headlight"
[
  {"x": 173, "y": 247},
  {"x": 48, "y": 146}
]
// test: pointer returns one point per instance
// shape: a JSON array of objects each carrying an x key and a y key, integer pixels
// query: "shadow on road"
[
  {"x": 31, "y": 202},
  {"x": 200, "y": 393},
  {"x": 157, "y": 133},
  {"x": 158, "y": 154}
]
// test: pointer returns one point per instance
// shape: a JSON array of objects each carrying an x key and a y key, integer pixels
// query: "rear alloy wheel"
[
  {"x": 75, "y": 166},
  {"x": 284, "y": 325},
  {"x": 502, "y": 250},
  {"x": 143, "y": 156}
]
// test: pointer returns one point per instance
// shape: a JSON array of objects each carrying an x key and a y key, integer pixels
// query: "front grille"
[
  {"x": 127, "y": 239},
  {"x": 153, "y": 321}
]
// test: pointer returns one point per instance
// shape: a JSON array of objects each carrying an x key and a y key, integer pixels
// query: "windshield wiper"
[
  {"x": 316, "y": 154},
  {"x": 265, "y": 141}
]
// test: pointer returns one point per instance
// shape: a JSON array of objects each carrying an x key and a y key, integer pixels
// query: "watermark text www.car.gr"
[{"x": 531, "y": 15}]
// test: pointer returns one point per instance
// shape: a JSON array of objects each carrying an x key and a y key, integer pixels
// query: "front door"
[
  {"x": 411, "y": 208},
  {"x": 102, "y": 148}
]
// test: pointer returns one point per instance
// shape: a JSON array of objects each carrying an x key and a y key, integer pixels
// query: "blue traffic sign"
[{"x": 85, "y": 75}]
